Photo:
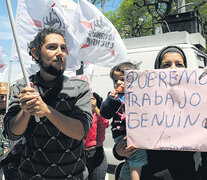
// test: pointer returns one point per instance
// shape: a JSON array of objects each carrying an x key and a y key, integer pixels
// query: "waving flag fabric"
[
  {"x": 90, "y": 36},
  {"x": 31, "y": 17},
  {"x": 3, "y": 65},
  {"x": 100, "y": 42},
  {"x": 3, "y": 53}
]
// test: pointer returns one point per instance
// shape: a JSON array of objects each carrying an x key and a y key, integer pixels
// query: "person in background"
[
  {"x": 114, "y": 106},
  {"x": 54, "y": 146},
  {"x": 3, "y": 99},
  {"x": 12, "y": 160},
  {"x": 10, "y": 153},
  {"x": 96, "y": 161},
  {"x": 165, "y": 165}
]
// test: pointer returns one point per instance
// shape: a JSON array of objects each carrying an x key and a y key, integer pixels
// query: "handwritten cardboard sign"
[{"x": 167, "y": 109}]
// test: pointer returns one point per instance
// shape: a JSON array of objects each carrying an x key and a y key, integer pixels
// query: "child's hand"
[
  {"x": 95, "y": 109},
  {"x": 114, "y": 93},
  {"x": 93, "y": 102}
]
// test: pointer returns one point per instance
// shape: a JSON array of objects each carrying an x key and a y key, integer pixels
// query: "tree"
[
  {"x": 136, "y": 18},
  {"x": 201, "y": 6},
  {"x": 130, "y": 20}
]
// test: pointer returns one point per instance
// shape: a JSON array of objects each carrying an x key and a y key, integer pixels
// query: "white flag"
[
  {"x": 3, "y": 72},
  {"x": 88, "y": 68},
  {"x": 100, "y": 42},
  {"x": 31, "y": 17},
  {"x": 3, "y": 53},
  {"x": 3, "y": 66}
]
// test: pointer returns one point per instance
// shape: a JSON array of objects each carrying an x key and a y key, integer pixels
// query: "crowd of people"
[{"x": 67, "y": 142}]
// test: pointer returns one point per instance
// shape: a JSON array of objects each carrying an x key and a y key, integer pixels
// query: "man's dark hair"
[
  {"x": 122, "y": 67},
  {"x": 39, "y": 40}
]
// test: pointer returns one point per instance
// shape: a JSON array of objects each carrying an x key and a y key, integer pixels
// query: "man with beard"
[{"x": 54, "y": 146}]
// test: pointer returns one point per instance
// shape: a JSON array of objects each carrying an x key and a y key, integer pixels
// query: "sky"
[{"x": 6, "y": 32}]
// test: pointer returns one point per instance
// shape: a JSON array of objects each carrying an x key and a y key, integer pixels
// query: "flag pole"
[
  {"x": 11, "y": 17},
  {"x": 8, "y": 85}
]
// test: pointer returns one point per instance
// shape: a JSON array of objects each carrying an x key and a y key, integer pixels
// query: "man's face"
[
  {"x": 3, "y": 95},
  {"x": 53, "y": 55}
]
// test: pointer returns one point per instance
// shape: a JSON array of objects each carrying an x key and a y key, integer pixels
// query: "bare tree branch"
[
  {"x": 102, "y": 5},
  {"x": 201, "y": 4}
]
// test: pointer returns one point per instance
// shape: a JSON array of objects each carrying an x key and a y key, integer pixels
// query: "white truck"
[{"x": 143, "y": 50}]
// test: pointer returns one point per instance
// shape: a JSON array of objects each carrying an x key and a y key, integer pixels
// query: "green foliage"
[
  {"x": 134, "y": 21},
  {"x": 201, "y": 6},
  {"x": 130, "y": 20}
]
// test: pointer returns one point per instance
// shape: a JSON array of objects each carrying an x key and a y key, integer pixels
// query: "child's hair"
[{"x": 122, "y": 67}]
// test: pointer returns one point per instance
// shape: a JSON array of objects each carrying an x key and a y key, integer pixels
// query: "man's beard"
[{"x": 50, "y": 69}]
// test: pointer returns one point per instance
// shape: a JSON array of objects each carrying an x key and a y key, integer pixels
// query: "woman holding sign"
[{"x": 162, "y": 164}]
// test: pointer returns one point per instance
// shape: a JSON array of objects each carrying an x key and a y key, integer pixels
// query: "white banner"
[
  {"x": 31, "y": 17},
  {"x": 90, "y": 36},
  {"x": 87, "y": 70},
  {"x": 100, "y": 42},
  {"x": 3, "y": 72},
  {"x": 3, "y": 53},
  {"x": 3, "y": 66}
]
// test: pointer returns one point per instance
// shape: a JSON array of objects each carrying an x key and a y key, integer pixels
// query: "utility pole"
[{"x": 181, "y": 6}]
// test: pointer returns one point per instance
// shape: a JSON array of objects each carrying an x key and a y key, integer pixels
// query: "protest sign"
[{"x": 166, "y": 109}]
